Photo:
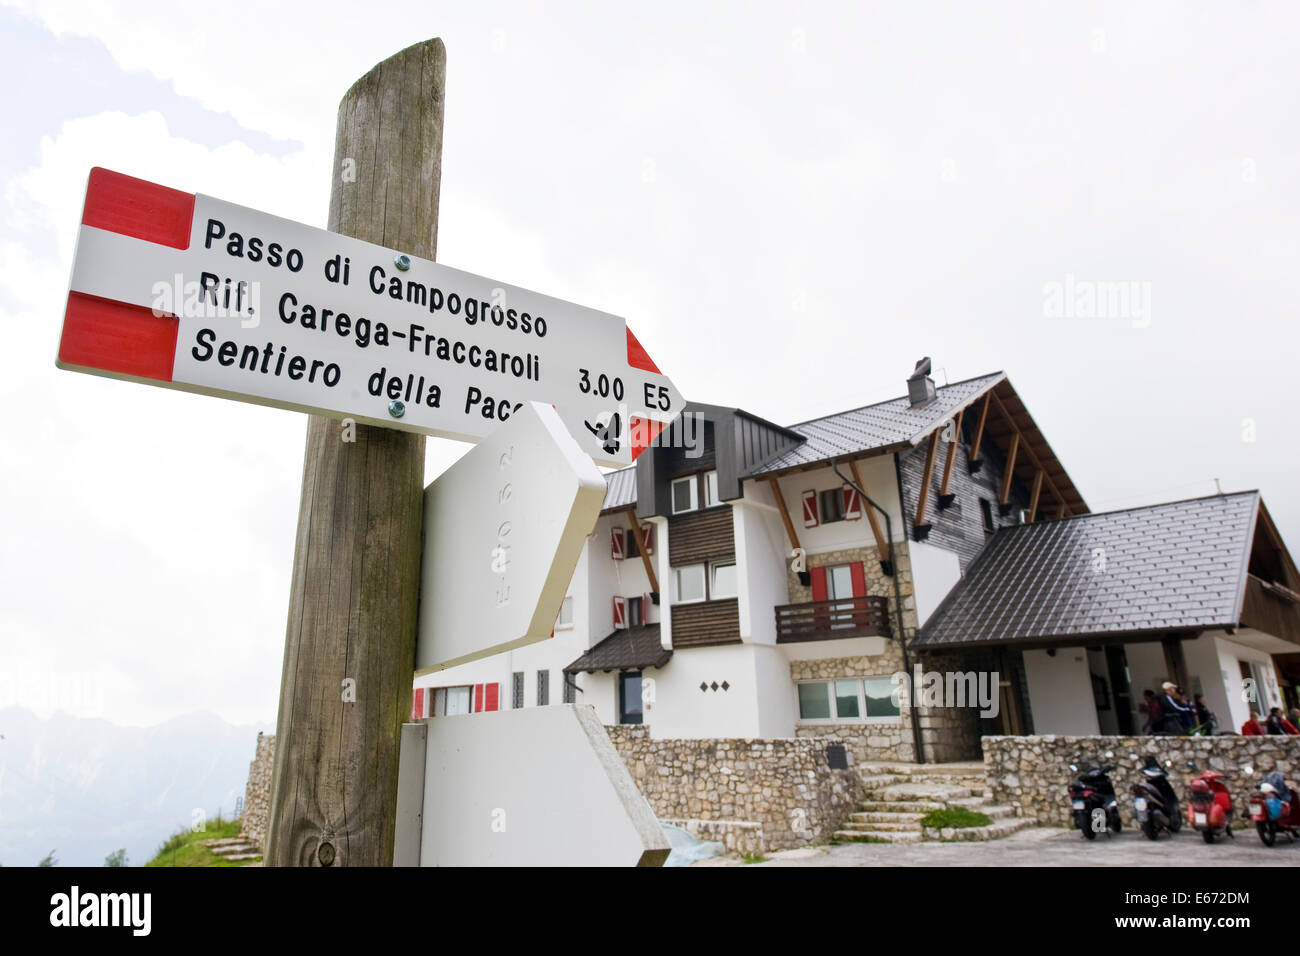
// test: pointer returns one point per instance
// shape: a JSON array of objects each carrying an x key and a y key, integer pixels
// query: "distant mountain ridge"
[{"x": 84, "y": 787}]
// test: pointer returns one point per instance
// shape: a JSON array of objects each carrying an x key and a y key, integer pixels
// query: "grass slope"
[{"x": 185, "y": 848}]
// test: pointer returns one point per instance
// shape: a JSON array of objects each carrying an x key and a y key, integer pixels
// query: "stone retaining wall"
[
  {"x": 1032, "y": 773},
  {"x": 257, "y": 796},
  {"x": 783, "y": 784}
]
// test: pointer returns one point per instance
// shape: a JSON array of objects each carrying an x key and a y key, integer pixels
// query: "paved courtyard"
[{"x": 1042, "y": 846}]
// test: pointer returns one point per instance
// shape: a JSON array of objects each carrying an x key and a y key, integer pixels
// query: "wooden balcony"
[
  {"x": 832, "y": 620},
  {"x": 1272, "y": 609}
]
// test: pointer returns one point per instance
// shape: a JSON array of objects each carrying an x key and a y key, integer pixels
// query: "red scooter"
[
  {"x": 1275, "y": 808},
  {"x": 1210, "y": 807}
]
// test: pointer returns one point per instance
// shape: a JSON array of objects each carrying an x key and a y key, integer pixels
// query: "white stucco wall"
[
  {"x": 881, "y": 483},
  {"x": 1060, "y": 692},
  {"x": 935, "y": 571},
  {"x": 681, "y": 709},
  {"x": 762, "y": 553},
  {"x": 1228, "y": 653}
]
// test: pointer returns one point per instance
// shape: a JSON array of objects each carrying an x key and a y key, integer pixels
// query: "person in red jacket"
[{"x": 1252, "y": 728}]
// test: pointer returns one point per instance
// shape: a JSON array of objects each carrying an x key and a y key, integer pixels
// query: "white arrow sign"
[
  {"x": 189, "y": 292},
  {"x": 504, "y": 528}
]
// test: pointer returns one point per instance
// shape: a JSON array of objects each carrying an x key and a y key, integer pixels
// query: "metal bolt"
[
  {"x": 325, "y": 853},
  {"x": 397, "y": 408},
  {"x": 402, "y": 261}
]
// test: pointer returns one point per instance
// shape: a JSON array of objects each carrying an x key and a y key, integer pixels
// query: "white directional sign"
[
  {"x": 189, "y": 292},
  {"x": 504, "y": 528}
]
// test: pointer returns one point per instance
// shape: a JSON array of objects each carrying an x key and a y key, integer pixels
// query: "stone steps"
[
  {"x": 878, "y": 836},
  {"x": 233, "y": 848},
  {"x": 896, "y": 797}
]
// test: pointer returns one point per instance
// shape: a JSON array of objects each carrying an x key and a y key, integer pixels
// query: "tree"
[
  {"x": 49, "y": 860},
  {"x": 116, "y": 858}
]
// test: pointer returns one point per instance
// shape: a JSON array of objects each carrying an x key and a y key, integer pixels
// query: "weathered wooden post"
[{"x": 350, "y": 648}]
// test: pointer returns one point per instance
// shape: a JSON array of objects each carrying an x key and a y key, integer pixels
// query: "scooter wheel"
[
  {"x": 1088, "y": 833},
  {"x": 1115, "y": 823},
  {"x": 1149, "y": 830},
  {"x": 1207, "y": 835},
  {"x": 1267, "y": 832},
  {"x": 1175, "y": 821}
]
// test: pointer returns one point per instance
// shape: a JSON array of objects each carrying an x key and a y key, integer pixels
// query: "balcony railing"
[{"x": 832, "y": 620}]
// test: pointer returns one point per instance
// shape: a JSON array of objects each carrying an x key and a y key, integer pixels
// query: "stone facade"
[
  {"x": 783, "y": 785},
  {"x": 1032, "y": 773},
  {"x": 257, "y": 795},
  {"x": 947, "y": 734}
]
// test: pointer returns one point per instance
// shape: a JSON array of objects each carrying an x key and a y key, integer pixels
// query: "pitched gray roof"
[
  {"x": 1165, "y": 567},
  {"x": 630, "y": 648},
  {"x": 890, "y": 424}
]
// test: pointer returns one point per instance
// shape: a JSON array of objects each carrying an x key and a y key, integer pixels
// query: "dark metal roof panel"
[
  {"x": 1174, "y": 566},
  {"x": 630, "y": 648}
]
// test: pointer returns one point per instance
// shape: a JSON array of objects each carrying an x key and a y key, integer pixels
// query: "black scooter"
[
  {"x": 1154, "y": 802},
  {"x": 1093, "y": 802}
]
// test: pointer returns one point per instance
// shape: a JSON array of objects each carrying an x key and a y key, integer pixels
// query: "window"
[
  {"x": 635, "y": 615},
  {"x": 565, "y": 620},
  {"x": 629, "y": 697},
  {"x": 543, "y": 688},
  {"x": 839, "y": 585},
  {"x": 711, "y": 489},
  {"x": 689, "y": 583},
  {"x": 517, "y": 690},
  {"x": 879, "y": 693},
  {"x": 832, "y": 505},
  {"x": 848, "y": 699},
  {"x": 986, "y": 510},
  {"x": 723, "y": 582},
  {"x": 570, "y": 687},
  {"x": 815, "y": 701},
  {"x": 630, "y": 548},
  {"x": 684, "y": 495},
  {"x": 451, "y": 701}
]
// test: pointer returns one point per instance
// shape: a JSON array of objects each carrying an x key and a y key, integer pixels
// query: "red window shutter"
[
  {"x": 852, "y": 504},
  {"x": 492, "y": 696},
  {"x": 648, "y": 536},
  {"x": 620, "y": 612},
  {"x": 645, "y": 609},
  {"x": 616, "y": 543},
  {"x": 478, "y": 698},
  {"x": 417, "y": 704},
  {"x": 811, "y": 516},
  {"x": 859, "y": 575},
  {"x": 818, "y": 583}
]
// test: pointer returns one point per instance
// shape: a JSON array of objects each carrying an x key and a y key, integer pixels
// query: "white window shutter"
[
  {"x": 620, "y": 613},
  {"x": 852, "y": 504},
  {"x": 648, "y": 536},
  {"x": 616, "y": 539}
]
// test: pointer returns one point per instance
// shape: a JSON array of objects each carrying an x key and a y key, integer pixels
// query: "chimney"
[{"x": 920, "y": 387}]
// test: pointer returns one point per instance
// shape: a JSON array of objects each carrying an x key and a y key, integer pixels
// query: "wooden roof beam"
[
  {"x": 785, "y": 512},
  {"x": 920, "y": 528},
  {"x": 640, "y": 546},
  {"x": 882, "y": 546}
]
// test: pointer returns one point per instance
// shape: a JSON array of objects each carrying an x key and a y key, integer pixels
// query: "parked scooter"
[
  {"x": 1154, "y": 802},
  {"x": 1275, "y": 808},
  {"x": 1092, "y": 800},
  {"x": 1209, "y": 808}
]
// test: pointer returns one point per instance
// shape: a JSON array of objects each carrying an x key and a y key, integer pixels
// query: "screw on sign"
[{"x": 343, "y": 327}]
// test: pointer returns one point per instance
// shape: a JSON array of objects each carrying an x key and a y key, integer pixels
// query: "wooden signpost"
[{"x": 269, "y": 311}]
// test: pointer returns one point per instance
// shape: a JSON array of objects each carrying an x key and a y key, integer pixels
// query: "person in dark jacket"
[
  {"x": 1151, "y": 707},
  {"x": 1176, "y": 716},
  {"x": 1277, "y": 724}
]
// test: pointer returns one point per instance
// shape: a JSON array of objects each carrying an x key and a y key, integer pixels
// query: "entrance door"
[
  {"x": 1122, "y": 687},
  {"x": 629, "y": 697}
]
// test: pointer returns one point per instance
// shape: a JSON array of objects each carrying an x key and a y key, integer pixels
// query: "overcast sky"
[{"x": 790, "y": 204}]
